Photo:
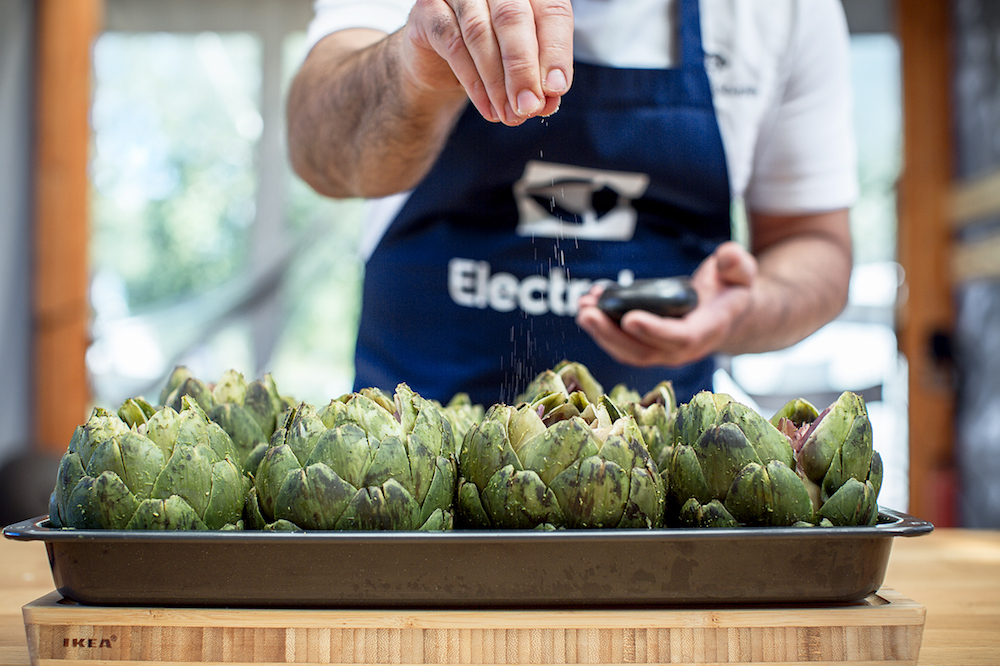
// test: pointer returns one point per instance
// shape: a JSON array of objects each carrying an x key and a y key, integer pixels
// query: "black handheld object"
[{"x": 666, "y": 297}]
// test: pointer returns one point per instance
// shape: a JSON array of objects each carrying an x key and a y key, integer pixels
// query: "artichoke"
[
  {"x": 654, "y": 413},
  {"x": 565, "y": 378},
  {"x": 248, "y": 412},
  {"x": 731, "y": 461},
  {"x": 835, "y": 458},
  {"x": 366, "y": 461},
  {"x": 174, "y": 470},
  {"x": 558, "y": 462},
  {"x": 462, "y": 415}
]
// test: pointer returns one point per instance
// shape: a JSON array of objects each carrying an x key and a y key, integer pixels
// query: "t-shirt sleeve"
[
  {"x": 332, "y": 15},
  {"x": 805, "y": 158}
]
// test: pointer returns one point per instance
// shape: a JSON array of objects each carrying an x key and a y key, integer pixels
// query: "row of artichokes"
[{"x": 239, "y": 455}]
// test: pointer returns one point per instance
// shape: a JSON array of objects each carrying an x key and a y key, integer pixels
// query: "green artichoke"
[
  {"x": 654, "y": 413},
  {"x": 726, "y": 452},
  {"x": 835, "y": 458},
  {"x": 174, "y": 470},
  {"x": 248, "y": 412},
  {"x": 565, "y": 378},
  {"x": 558, "y": 462},
  {"x": 365, "y": 462},
  {"x": 462, "y": 415}
]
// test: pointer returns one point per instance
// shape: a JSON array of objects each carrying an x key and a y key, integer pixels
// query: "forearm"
[
  {"x": 802, "y": 281},
  {"x": 358, "y": 124}
]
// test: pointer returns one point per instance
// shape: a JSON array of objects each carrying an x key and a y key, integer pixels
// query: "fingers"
[
  {"x": 644, "y": 339},
  {"x": 554, "y": 19},
  {"x": 616, "y": 342},
  {"x": 724, "y": 281},
  {"x": 513, "y": 57}
]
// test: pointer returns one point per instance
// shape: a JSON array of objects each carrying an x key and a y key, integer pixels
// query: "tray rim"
[{"x": 892, "y": 524}]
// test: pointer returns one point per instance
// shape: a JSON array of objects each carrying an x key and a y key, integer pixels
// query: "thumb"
[{"x": 734, "y": 264}]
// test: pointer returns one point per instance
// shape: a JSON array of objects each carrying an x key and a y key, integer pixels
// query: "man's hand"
[
  {"x": 368, "y": 113},
  {"x": 795, "y": 281},
  {"x": 723, "y": 284},
  {"x": 514, "y": 58}
]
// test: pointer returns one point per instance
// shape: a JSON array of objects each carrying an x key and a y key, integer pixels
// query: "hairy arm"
[
  {"x": 358, "y": 125},
  {"x": 804, "y": 271},
  {"x": 795, "y": 280}
]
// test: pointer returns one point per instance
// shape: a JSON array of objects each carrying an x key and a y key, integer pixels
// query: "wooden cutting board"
[{"x": 885, "y": 629}]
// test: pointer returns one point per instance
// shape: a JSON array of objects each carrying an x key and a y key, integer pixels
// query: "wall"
[
  {"x": 16, "y": 23},
  {"x": 977, "y": 326}
]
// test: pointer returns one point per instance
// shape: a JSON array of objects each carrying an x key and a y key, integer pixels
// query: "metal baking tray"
[{"x": 471, "y": 569}]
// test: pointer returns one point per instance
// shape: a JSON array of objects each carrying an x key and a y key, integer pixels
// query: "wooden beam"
[
  {"x": 924, "y": 252},
  {"x": 65, "y": 35},
  {"x": 975, "y": 200},
  {"x": 976, "y": 260}
]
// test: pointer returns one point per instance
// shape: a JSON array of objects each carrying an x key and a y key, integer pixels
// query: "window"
[{"x": 206, "y": 250}]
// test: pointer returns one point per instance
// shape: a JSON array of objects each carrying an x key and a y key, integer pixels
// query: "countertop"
[{"x": 954, "y": 573}]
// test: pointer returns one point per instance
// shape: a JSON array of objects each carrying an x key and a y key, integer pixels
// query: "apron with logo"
[{"x": 474, "y": 285}]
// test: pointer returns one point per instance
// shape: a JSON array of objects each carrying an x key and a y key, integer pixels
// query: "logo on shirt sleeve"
[{"x": 564, "y": 201}]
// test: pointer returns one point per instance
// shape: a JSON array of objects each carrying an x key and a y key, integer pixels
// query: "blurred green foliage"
[{"x": 175, "y": 121}]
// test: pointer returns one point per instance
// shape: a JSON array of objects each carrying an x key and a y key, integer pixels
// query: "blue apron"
[{"x": 474, "y": 285}]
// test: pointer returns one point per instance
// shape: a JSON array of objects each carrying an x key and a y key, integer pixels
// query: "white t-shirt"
[{"x": 779, "y": 71}]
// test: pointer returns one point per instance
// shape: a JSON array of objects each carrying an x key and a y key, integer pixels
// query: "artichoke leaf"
[
  {"x": 263, "y": 406},
  {"x": 853, "y": 504},
  {"x": 385, "y": 507},
  {"x": 518, "y": 499},
  {"x": 409, "y": 408},
  {"x": 141, "y": 462},
  {"x": 172, "y": 513},
  {"x": 391, "y": 462},
  {"x": 723, "y": 451},
  {"x": 278, "y": 463},
  {"x": 439, "y": 521},
  {"x": 161, "y": 429},
  {"x": 440, "y": 492},
  {"x": 487, "y": 449},
  {"x": 347, "y": 450},
  {"x": 591, "y": 493},
  {"x": 470, "y": 505},
  {"x": 303, "y": 432},
  {"x": 826, "y": 434},
  {"x": 231, "y": 388},
  {"x": 241, "y": 426},
  {"x": 81, "y": 509},
  {"x": 559, "y": 447},
  {"x": 178, "y": 376},
  {"x": 875, "y": 473},
  {"x": 711, "y": 515},
  {"x": 188, "y": 474},
  {"x": 115, "y": 503},
  {"x": 790, "y": 501},
  {"x": 135, "y": 411},
  {"x": 766, "y": 440},
  {"x": 799, "y": 411},
  {"x": 749, "y": 498},
  {"x": 646, "y": 500},
  {"x": 314, "y": 498},
  {"x": 227, "y": 495},
  {"x": 685, "y": 476},
  {"x": 372, "y": 417}
]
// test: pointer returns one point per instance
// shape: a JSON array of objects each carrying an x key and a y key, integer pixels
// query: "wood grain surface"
[{"x": 886, "y": 631}]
